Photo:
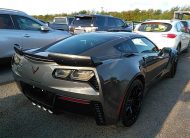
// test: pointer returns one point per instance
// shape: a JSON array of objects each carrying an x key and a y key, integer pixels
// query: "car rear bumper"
[{"x": 58, "y": 101}]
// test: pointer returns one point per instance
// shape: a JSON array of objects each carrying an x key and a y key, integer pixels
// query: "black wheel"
[
  {"x": 132, "y": 104},
  {"x": 186, "y": 50},
  {"x": 173, "y": 68},
  {"x": 178, "y": 49}
]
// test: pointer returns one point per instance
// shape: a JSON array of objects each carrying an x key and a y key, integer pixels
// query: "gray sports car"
[{"x": 105, "y": 73}]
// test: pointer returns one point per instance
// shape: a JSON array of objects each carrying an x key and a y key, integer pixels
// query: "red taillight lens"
[
  {"x": 81, "y": 101},
  {"x": 169, "y": 35}
]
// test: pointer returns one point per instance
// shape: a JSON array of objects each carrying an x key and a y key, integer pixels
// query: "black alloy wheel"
[
  {"x": 179, "y": 49},
  {"x": 173, "y": 68},
  {"x": 132, "y": 105}
]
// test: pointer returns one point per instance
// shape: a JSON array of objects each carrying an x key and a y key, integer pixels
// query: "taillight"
[{"x": 169, "y": 35}]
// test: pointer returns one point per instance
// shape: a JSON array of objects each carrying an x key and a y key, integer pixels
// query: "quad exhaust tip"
[
  {"x": 41, "y": 107},
  {"x": 38, "y": 106},
  {"x": 44, "y": 108},
  {"x": 33, "y": 103},
  {"x": 50, "y": 111}
]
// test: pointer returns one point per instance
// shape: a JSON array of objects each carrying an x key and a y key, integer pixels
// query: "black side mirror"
[{"x": 165, "y": 50}]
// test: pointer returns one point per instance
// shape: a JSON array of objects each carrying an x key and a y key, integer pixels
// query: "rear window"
[
  {"x": 60, "y": 20},
  {"x": 79, "y": 43},
  {"x": 155, "y": 27},
  {"x": 82, "y": 21},
  {"x": 70, "y": 20}
]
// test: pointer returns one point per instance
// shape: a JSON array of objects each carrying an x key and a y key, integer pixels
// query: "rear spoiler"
[
  {"x": 74, "y": 60},
  {"x": 30, "y": 55},
  {"x": 63, "y": 59},
  {"x": 19, "y": 51}
]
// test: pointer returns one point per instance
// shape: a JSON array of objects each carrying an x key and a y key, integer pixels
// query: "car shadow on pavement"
[
  {"x": 20, "y": 119},
  {"x": 5, "y": 73}
]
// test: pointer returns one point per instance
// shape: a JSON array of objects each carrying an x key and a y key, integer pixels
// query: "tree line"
[{"x": 130, "y": 15}]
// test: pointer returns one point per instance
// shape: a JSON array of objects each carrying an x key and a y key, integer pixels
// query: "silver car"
[{"x": 18, "y": 28}]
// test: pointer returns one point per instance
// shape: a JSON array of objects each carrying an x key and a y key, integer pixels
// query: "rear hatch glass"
[
  {"x": 79, "y": 43},
  {"x": 83, "y": 21},
  {"x": 155, "y": 27},
  {"x": 60, "y": 20}
]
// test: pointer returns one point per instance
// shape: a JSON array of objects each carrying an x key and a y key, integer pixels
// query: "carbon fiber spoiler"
[
  {"x": 19, "y": 51},
  {"x": 63, "y": 59},
  {"x": 74, "y": 60}
]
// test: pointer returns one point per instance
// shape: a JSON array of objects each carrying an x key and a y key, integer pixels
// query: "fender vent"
[{"x": 99, "y": 114}]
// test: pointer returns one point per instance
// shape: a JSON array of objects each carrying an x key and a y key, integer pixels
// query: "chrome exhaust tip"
[
  {"x": 33, "y": 103},
  {"x": 44, "y": 108},
  {"x": 50, "y": 111},
  {"x": 38, "y": 106}
]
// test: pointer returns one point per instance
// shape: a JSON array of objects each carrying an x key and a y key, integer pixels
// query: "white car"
[{"x": 165, "y": 33}]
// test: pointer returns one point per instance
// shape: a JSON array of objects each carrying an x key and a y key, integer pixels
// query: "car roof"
[
  {"x": 11, "y": 11},
  {"x": 92, "y": 15},
  {"x": 125, "y": 35},
  {"x": 163, "y": 21}
]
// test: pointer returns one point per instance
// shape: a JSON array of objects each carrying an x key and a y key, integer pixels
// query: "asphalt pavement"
[
  {"x": 5, "y": 74},
  {"x": 165, "y": 113}
]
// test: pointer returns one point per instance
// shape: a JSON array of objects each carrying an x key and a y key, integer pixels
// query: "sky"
[{"x": 42, "y": 7}]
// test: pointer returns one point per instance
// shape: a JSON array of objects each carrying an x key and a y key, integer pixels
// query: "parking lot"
[{"x": 165, "y": 112}]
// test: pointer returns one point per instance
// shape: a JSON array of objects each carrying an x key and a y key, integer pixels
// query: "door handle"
[
  {"x": 160, "y": 57},
  {"x": 26, "y": 35}
]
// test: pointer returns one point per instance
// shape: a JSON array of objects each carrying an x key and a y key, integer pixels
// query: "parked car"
[
  {"x": 18, "y": 28},
  {"x": 63, "y": 20},
  {"x": 104, "y": 72},
  {"x": 90, "y": 23},
  {"x": 165, "y": 32},
  {"x": 61, "y": 23}
]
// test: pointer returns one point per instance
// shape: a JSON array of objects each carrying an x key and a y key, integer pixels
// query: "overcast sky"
[{"x": 37, "y": 7}]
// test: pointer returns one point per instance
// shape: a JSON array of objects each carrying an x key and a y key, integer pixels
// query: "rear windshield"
[
  {"x": 70, "y": 20},
  {"x": 60, "y": 20},
  {"x": 82, "y": 21},
  {"x": 155, "y": 27},
  {"x": 79, "y": 43}
]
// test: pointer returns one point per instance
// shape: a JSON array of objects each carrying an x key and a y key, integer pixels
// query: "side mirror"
[
  {"x": 165, "y": 50},
  {"x": 44, "y": 28}
]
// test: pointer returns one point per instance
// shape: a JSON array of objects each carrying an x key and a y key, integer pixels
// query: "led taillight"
[{"x": 169, "y": 35}]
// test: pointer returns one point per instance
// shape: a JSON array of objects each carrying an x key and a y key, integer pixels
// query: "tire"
[
  {"x": 132, "y": 104},
  {"x": 178, "y": 49},
  {"x": 186, "y": 50},
  {"x": 173, "y": 69}
]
